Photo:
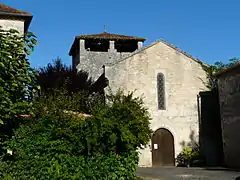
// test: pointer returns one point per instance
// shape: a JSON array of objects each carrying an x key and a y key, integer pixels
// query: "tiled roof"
[
  {"x": 228, "y": 69},
  {"x": 110, "y": 36},
  {"x": 10, "y": 10},
  {"x": 103, "y": 35}
]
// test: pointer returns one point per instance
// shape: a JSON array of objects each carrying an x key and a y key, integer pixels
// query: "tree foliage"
[
  {"x": 211, "y": 70},
  {"x": 73, "y": 145},
  {"x": 59, "y": 80},
  {"x": 58, "y": 76},
  {"x": 17, "y": 78}
]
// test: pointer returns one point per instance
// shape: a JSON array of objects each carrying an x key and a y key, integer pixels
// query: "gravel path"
[{"x": 177, "y": 173}]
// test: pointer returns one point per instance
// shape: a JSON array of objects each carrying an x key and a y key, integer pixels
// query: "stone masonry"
[
  {"x": 11, "y": 18},
  {"x": 92, "y": 62},
  {"x": 183, "y": 81},
  {"x": 12, "y": 24},
  {"x": 86, "y": 59},
  {"x": 229, "y": 97}
]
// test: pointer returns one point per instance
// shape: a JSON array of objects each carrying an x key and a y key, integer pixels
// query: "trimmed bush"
[{"x": 67, "y": 167}]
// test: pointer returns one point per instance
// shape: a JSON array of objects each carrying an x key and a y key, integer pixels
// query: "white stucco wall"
[
  {"x": 12, "y": 24},
  {"x": 182, "y": 85}
]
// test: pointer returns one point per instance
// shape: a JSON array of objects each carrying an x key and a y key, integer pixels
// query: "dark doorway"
[
  {"x": 210, "y": 130},
  {"x": 163, "y": 148}
]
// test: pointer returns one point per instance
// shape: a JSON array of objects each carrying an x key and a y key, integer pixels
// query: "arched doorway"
[{"x": 163, "y": 148}]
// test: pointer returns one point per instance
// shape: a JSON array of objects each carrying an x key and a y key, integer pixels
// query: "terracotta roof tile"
[
  {"x": 103, "y": 35},
  {"x": 7, "y": 9},
  {"x": 228, "y": 69},
  {"x": 109, "y": 36}
]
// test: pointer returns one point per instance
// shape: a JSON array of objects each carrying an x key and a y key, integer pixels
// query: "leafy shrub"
[
  {"x": 189, "y": 156},
  {"x": 122, "y": 125},
  {"x": 56, "y": 144},
  {"x": 17, "y": 79},
  {"x": 118, "y": 127},
  {"x": 67, "y": 167}
]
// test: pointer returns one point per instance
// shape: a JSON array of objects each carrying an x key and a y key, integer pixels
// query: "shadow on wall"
[
  {"x": 209, "y": 147},
  {"x": 192, "y": 143},
  {"x": 190, "y": 154}
]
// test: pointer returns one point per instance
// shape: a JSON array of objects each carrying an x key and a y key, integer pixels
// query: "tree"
[
  {"x": 62, "y": 79},
  {"x": 60, "y": 76},
  {"x": 220, "y": 65},
  {"x": 17, "y": 78},
  {"x": 211, "y": 84}
]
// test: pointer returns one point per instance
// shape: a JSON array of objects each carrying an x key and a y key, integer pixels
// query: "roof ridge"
[
  {"x": 227, "y": 69},
  {"x": 106, "y": 35},
  {"x": 152, "y": 44},
  {"x": 135, "y": 52},
  {"x": 183, "y": 52},
  {"x": 9, "y": 10}
]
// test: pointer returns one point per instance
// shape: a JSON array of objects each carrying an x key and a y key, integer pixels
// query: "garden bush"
[
  {"x": 189, "y": 156},
  {"x": 62, "y": 166},
  {"x": 56, "y": 144}
]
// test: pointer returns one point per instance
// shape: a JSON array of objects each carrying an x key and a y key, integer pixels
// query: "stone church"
[{"x": 167, "y": 78}]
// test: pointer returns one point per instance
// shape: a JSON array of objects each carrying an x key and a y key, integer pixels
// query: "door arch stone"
[{"x": 163, "y": 153}]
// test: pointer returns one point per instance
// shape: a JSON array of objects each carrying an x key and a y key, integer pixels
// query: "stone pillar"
[
  {"x": 81, "y": 54},
  {"x": 140, "y": 44},
  {"x": 82, "y": 44},
  {"x": 112, "y": 46}
]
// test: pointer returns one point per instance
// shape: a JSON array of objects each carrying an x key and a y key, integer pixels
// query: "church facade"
[{"x": 168, "y": 79}]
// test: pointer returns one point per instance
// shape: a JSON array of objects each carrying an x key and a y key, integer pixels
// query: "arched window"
[{"x": 161, "y": 91}]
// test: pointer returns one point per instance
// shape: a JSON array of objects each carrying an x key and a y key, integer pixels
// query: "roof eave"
[
  {"x": 80, "y": 37},
  {"x": 73, "y": 44},
  {"x": 14, "y": 14},
  {"x": 227, "y": 70},
  {"x": 134, "y": 39},
  {"x": 26, "y": 17},
  {"x": 27, "y": 23}
]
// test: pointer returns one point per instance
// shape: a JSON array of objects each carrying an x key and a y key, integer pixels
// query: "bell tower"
[{"x": 90, "y": 52}]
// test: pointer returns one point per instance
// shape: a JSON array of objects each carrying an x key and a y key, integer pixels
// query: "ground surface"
[{"x": 173, "y": 173}]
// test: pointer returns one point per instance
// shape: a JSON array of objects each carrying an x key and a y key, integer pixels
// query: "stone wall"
[
  {"x": 12, "y": 24},
  {"x": 229, "y": 95},
  {"x": 182, "y": 84},
  {"x": 92, "y": 62}
]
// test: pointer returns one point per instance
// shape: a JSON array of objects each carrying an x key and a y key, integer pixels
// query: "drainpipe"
[
  {"x": 104, "y": 98},
  {"x": 199, "y": 108}
]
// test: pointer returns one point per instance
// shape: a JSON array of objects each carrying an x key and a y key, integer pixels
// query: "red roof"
[
  {"x": 103, "y": 35},
  {"x": 228, "y": 69},
  {"x": 109, "y": 36},
  {"x": 10, "y": 10}
]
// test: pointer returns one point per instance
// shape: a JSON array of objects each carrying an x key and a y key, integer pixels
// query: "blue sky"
[{"x": 206, "y": 29}]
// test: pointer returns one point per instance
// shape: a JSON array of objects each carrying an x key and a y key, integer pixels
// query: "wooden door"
[{"x": 163, "y": 148}]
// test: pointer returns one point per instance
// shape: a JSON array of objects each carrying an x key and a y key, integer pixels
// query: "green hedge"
[
  {"x": 71, "y": 167},
  {"x": 55, "y": 144}
]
